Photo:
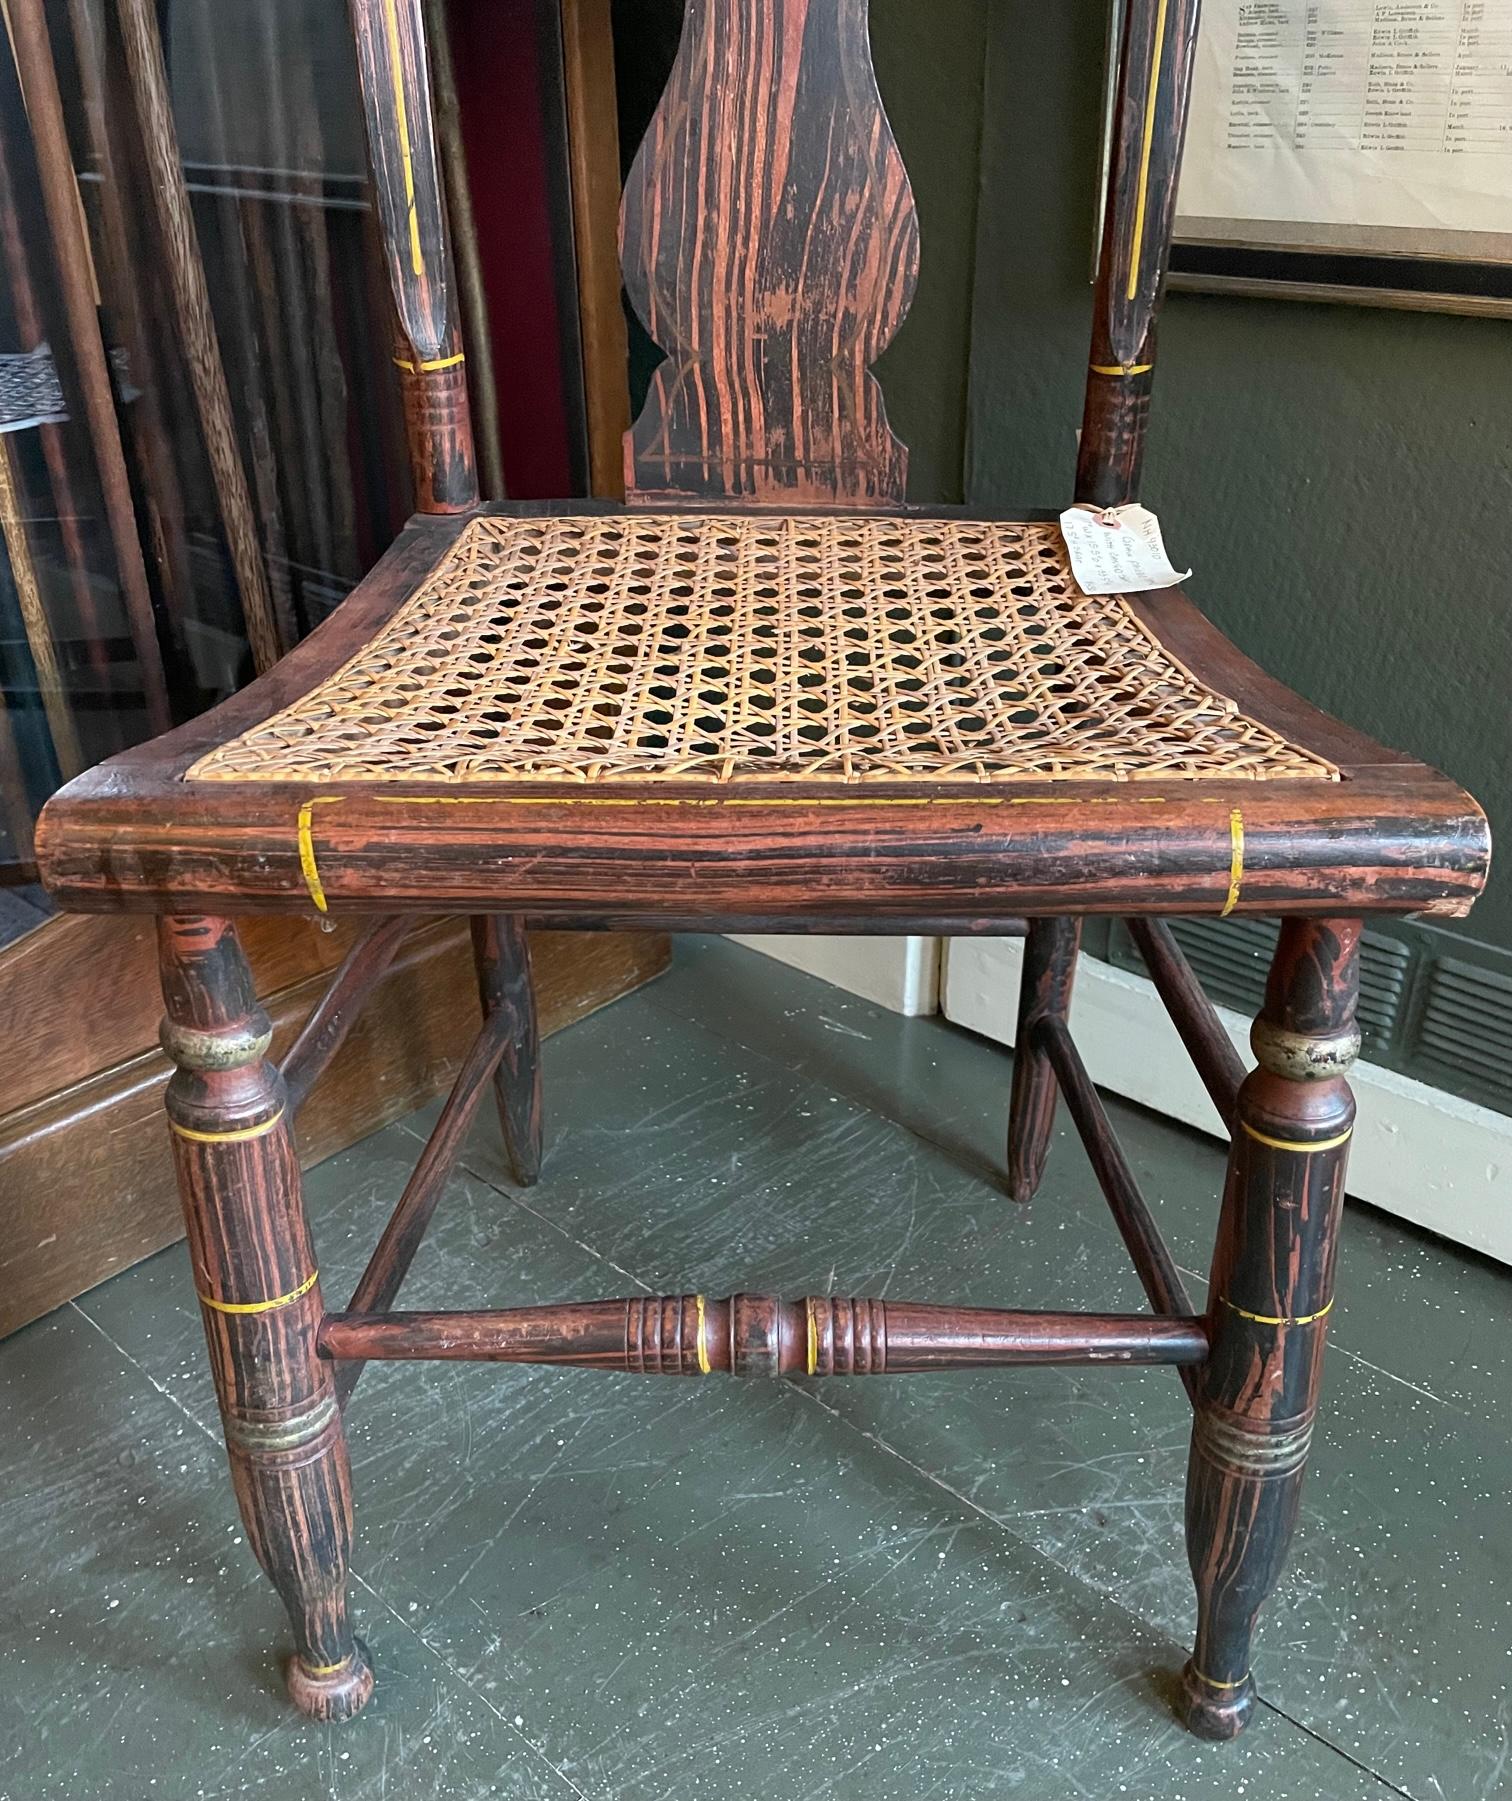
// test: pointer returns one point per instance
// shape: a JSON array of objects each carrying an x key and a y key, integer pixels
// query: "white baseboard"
[
  {"x": 1419, "y": 1153},
  {"x": 902, "y": 974}
]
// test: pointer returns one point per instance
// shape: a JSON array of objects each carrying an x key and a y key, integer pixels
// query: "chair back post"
[
  {"x": 396, "y": 99},
  {"x": 770, "y": 246},
  {"x": 1149, "y": 125}
]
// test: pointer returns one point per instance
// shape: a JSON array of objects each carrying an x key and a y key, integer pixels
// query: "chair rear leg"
[
  {"x": 1050, "y": 952},
  {"x": 503, "y": 959},
  {"x": 254, "y": 1270},
  {"x": 1272, "y": 1288}
]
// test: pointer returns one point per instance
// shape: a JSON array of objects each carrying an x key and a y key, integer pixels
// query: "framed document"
[{"x": 1351, "y": 150}]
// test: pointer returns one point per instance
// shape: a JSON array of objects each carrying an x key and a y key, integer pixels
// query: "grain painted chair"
[{"x": 765, "y": 693}]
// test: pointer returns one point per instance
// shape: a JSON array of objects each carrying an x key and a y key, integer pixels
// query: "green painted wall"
[
  {"x": 930, "y": 62},
  {"x": 1339, "y": 478}
]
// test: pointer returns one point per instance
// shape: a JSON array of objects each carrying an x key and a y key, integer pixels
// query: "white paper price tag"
[{"x": 1117, "y": 550}]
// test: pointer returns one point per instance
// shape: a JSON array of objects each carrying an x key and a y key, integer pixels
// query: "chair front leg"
[
  {"x": 502, "y": 955},
  {"x": 1050, "y": 952},
  {"x": 1272, "y": 1288},
  {"x": 255, "y": 1274}
]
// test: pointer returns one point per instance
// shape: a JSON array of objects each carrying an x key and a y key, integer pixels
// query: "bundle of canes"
[{"x": 30, "y": 396}]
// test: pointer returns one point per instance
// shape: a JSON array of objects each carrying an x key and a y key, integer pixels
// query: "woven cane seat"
[{"x": 612, "y": 648}]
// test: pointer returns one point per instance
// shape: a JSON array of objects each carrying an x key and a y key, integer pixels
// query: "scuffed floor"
[{"x": 598, "y": 1586}]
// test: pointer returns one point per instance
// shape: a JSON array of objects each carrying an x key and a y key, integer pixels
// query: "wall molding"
[
  {"x": 1419, "y": 1153},
  {"x": 901, "y": 974}
]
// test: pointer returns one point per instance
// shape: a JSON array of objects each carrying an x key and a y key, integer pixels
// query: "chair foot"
[
  {"x": 333, "y": 1693},
  {"x": 1050, "y": 951},
  {"x": 1215, "y": 1710}
]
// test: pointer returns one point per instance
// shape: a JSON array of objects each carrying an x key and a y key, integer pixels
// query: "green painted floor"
[{"x": 588, "y": 1585}]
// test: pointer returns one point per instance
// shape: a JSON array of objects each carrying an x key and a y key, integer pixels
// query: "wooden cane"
[
  {"x": 60, "y": 196},
  {"x": 247, "y": 342},
  {"x": 34, "y": 617},
  {"x": 311, "y": 221},
  {"x": 125, "y": 310},
  {"x": 22, "y": 866},
  {"x": 186, "y": 279},
  {"x": 33, "y": 332}
]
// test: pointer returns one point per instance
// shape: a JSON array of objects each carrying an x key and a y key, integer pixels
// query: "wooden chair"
[{"x": 765, "y": 694}]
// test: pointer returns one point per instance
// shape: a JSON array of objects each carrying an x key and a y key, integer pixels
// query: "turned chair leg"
[
  {"x": 1272, "y": 1288},
  {"x": 502, "y": 954},
  {"x": 1050, "y": 952},
  {"x": 254, "y": 1270}
]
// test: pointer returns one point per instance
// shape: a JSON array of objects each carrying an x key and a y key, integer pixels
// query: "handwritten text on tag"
[{"x": 1117, "y": 550}]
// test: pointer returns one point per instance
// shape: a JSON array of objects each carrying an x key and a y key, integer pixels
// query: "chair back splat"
[{"x": 770, "y": 246}]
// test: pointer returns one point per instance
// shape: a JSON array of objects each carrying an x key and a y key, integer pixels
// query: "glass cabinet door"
[{"x": 200, "y": 442}]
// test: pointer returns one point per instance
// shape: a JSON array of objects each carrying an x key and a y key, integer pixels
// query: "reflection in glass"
[{"x": 199, "y": 449}]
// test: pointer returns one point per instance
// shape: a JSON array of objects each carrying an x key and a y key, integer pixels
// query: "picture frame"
[{"x": 1467, "y": 272}]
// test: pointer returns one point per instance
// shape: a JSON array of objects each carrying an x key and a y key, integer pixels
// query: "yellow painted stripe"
[
  {"x": 968, "y": 798},
  {"x": 282, "y": 1300},
  {"x": 1142, "y": 198},
  {"x": 1236, "y": 862},
  {"x": 240, "y": 1136},
  {"x": 401, "y": 118},
  {"x": 1272, "y": 1319},
  {"x": 308, "y": 866},
  {"x": 703, "y": 1338},
  {"x": 435, "y": 362},
  {"x": 1212, "y": 1684},
  {"x": 1122, "y": 368},
  {"x": 813, "y": 1338},
  {"x": 1296, "y": 1144},
  {"x": 324, "y": 1669}
]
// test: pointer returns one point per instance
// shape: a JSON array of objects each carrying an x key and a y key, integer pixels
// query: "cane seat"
[
  {"x": 736, "y": 649},
  {"x": 611, "y": 715}
]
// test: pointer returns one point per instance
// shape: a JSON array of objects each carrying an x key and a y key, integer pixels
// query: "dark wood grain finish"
[
  {"x": 1269, "y": 1300},
  {"x": 1392, "y": 840},
  {"x": 397, "y": 107},
  {"x": 1192, "y": 1013},
  {"x": 1050, "y": 953},
  {"x": 339, "y": 1008},
  {"x": 1381, "y": 844},
  {"x": 770, "y": 246},
  {"x": 1154, "y": 90},
  {"x": 255, "y": 1273},
  {"x": 1152, "y": 1260},
  {"x": 502, "y": 953},
  {"x": 760, "y": 1335},
  {"x": 402, "y": 1236}
]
